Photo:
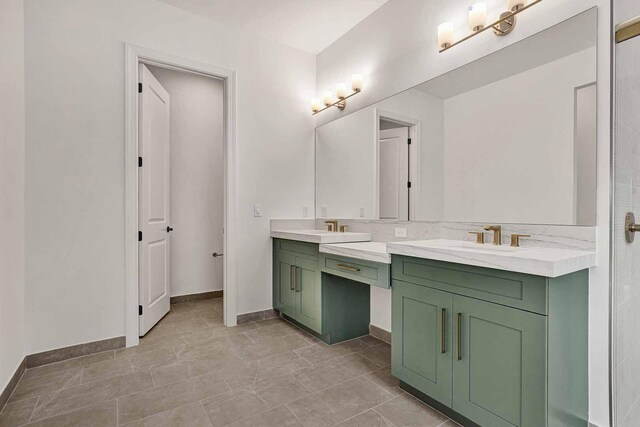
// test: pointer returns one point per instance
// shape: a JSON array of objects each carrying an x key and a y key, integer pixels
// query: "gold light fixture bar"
[
  {"x": 628, "y": 30},
  {"x": 339, "y": 98},
  {"x": 340, "y": 103},
  {"x": 507, "y": 17}
]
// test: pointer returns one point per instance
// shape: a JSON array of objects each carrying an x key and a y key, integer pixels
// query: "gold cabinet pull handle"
[
  {"x": 443, "y": 319},
  {"x": 347, "y": 267},
  {"x": 292, "y": 278},
  {"x": 459, "y": 339}
]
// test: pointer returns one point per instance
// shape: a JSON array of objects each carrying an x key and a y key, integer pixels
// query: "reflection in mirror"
[{"x": 510, "y": 138}]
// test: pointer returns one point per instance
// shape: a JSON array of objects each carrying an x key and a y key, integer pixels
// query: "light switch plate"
[
  {"x": 305, "y": 212},
  {"x": 361, "y": 212},
  {"x": 323, "y": 211},
  {"x": 401, "y": 232},
  {"x": 257, "y": 210}
]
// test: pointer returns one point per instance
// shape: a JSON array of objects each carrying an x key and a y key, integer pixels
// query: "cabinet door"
[
  {"x": 309, "y": 294},
  {"x": 422, "y": 346},
  {"x": 499, "y": 368},
  {"x": 284, "y": 297}
]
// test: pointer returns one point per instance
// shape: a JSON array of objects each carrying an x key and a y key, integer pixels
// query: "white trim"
[
  {"x": 414, "y": 126},
  {"x": 133, "y": 56}
]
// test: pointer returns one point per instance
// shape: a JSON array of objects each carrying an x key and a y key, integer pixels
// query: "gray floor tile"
[
  {"x": 278, "y": 417},
  {"x": 405, "y": 410},
  {"x": 366, "y": 419},
  {"x": 17, "y": 413},
  {"x": 234, "y": 406},
  {"x": 191, "y": 415},
  {"x": 100, "y": 415}
]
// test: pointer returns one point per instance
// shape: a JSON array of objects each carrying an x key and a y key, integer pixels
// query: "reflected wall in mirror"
[{"x": 510, "y": 138}]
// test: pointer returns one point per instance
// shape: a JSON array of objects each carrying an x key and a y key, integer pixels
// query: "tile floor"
[{"x": 192, "y": 371}]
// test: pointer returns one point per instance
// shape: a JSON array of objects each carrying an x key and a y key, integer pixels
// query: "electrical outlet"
[
  {"x": 323, "y": 211},
  {"x": 401, "y": 232},
  {"x": 361, "y": 212},
  {"x": 257, "y": 210},
  {"x": 305, "y": 212}
]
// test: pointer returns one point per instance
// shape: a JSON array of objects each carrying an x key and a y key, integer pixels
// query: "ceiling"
[{"x": 309, "y": 25}]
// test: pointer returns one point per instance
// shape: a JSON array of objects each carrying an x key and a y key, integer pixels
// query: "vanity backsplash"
[{"x": 546, "y": 236}]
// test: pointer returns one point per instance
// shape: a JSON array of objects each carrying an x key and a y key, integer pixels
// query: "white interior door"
[
  {"x": 153, "y": 202},
  {"x": 394, "y": 174}
]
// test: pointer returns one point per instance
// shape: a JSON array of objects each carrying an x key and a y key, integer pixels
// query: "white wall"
[
  {"x": 12, "y": 146},
  {"x": 75, "y": 153},
  {"x": 395, "y": 48},
  {"x": 483, "y": 145},
  {"x": 197, "y": 180}
]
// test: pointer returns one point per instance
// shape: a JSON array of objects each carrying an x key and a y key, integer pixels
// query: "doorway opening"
[
  {"x": 397, "y": 141},
  {"x": 180, "y": 190},
  {"x": 180, "y": 187}
]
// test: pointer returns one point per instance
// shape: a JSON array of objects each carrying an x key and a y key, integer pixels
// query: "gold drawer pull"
[
  {"x": 459, "y": 339},
  {"x": 348, "y": 267},
  {"x": 443, "y": 330}
]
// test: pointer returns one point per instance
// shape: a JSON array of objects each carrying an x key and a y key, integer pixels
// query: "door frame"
[
  {"x": 133, "y": 56},
  {"x": 414, "y": 163}
]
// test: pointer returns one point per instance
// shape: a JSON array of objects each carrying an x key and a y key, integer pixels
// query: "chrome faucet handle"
[
  {"x": 515, "y": 239},
  {"x": 479, "y": 236}
]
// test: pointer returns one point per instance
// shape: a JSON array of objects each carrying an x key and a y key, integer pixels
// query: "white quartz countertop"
[
  {"x": 548, "y": 262},
  {"x": 369, "y": 251},
  {"x": 321, "y": 236}
]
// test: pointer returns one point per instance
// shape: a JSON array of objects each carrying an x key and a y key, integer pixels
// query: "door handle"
[
  {"x": 443, "y": 319},
  {"x": 169, "y": 229},
  {"x": 458, "y": 338},
  {"x": 292, "y": 278},
  {"x": 630, "y": 227},
  {"x": 216, "y": 254}
]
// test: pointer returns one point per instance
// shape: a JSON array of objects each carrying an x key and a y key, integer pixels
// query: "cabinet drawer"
[
  {"x": 309, "y": 250},
  {"x": 369, "y": 272},
  {"x": 516, "y": 290}
]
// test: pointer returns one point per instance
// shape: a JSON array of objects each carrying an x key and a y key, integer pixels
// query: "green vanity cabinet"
[
  {"x": 297, "y": 290},
  {"x": 495, "y": 347},
  {"x": 332, "y": 304}
]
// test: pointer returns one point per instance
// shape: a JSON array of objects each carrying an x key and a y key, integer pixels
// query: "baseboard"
[
  {"x": 257, "y": 316},
  {"x": 195, "y": 297},
  {"x": 379, "y": 333},
  {"x": 58, "y": 355},
  {"x": 13, "y": 382}
]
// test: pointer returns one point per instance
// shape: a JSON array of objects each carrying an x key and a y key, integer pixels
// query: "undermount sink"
[
  {"x": 321, "y": 236},
  {"x": 485, "y": 247}
]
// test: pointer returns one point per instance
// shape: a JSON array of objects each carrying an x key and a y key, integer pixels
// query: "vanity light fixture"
[
  {"x": 340, "y": 98},
  {"x": 478, "y": 22}
]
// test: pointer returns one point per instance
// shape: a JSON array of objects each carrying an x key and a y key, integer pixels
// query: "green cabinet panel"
[
  {"x": 499, "y": 374},
  {"x": 516, "y": 290},
  {"x": 369, "y": 272},
  {"x": 284, "y": 283},
  {"x": 421, "y": 328},
  {"x": 309, "y": 289}
]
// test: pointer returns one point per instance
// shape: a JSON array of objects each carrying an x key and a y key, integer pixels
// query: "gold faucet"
[
  {"x": 332, "y": 225},
  {"x": 497, "y": 233}
]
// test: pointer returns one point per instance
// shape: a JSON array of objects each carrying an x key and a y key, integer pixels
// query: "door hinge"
[
  {"x": 139, "y": 310},
  {"x": 139, "y": 87},
  {"x": 139, "y": 162},
  {"x": 409, "y": 184},
  {"x": 409, "y": 141},
  {"x": 139, "y": 236}
]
